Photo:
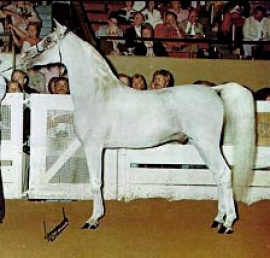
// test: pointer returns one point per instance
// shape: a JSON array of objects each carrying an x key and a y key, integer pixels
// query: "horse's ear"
[{"x": 60, "y": 28}]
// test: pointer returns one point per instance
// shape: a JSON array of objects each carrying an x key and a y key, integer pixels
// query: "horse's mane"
[{"x": 102, "y": 72}]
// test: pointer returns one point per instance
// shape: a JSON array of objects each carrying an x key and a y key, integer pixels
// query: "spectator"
[
  {"x": 149, "y": 48},
  {"x": 111, "y": 46},
  {"x": 126, "y": 14},
  {"x": 232, "y": 25},
  {"x": 25, "y": 40},
  {"x": 256, "y": 28},
  {"x": 22, "y": 79},
  {"x": 169, "y": 30},
  {"x": 14, "y": 87},
  {"x": 263, "y": 94},
  {"x": 134, "y": 33},
  {"x": 161, "y": 79},
  {"x": 192, "y": 28},
  {"x": 138, "y": 82},
  {"x": 53, "y": 70},
  {"x": 59, "y": 85},
  {"x": 176, "y": 8},
  {"x": 152, "y": 14},
  {"x": 124, "y": 78},
  {"x": 22, "y": 13}
]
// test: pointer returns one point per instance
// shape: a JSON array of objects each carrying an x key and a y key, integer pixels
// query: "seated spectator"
[
  {"x": 53, "y": 70},
  {"x": 14, "y": 87},
  {"x": 111, "y": 46},
  {"x": 25, "y": 40},
  {"x": 169, "y": 30},
  {"x": 126, "y": 14},
  {"x": 124, "y": 78},
  {"x": 22, "y": 79},
  {"x": 138, "y": 82},
  {"x": 256, "y": 28},
  {"x": 176, "y": 8},
  {"x": 59, "y": 85},
  {"x": 232, "y": 25},
  {"x": 134, "y": 33},
  {"x": 149, "y": 48},
  {"x": 161, "y": 79},
  {"x": 152, "y": 14},
  {"x": 22, "y": 13},
  {"x": 263, "y": 94},
  {"x": 192, "y": 28}
]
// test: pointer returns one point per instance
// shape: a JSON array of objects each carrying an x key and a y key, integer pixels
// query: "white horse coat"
[{"x": 108, "y": 114}]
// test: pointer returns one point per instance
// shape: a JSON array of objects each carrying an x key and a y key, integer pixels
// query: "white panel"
[
  {"x": 11, "y": 145},
  {"x": 58, "y": 165}
]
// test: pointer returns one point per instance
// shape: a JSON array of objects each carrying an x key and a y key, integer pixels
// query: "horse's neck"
[{"x": 89, "y": 74}]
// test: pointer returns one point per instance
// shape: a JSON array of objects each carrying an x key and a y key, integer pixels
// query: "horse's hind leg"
[
  {"x": 213, "y": 158},
  {"x": 94, "y": 155}
]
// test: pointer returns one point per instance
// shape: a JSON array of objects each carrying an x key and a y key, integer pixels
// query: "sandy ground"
[{"x": 141, "y": 228}]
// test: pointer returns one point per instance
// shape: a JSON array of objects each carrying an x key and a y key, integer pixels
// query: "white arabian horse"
[{"x": 108, "y": 114}]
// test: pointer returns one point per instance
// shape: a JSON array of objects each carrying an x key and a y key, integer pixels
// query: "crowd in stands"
[{"x": 185, "y": 26}]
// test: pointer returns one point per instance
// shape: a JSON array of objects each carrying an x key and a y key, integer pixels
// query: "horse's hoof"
[
  {"x": 225, "y": 231},
  {"x": 216, "y": 224},
  {"x": 89, "y": 226}
]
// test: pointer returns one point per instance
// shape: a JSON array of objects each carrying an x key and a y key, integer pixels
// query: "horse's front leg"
[{"x": 94, "y": 153}]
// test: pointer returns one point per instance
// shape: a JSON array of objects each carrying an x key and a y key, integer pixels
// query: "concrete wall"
[{"x": 254, "y": 74}]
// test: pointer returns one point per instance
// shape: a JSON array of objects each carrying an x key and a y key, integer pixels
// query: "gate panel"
[
  {"x": 12, "y": 156},
  {"x": 58, "y": 166}
]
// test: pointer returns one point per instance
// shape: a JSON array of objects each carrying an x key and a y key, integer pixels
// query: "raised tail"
[{"x": 240, "y": 129}]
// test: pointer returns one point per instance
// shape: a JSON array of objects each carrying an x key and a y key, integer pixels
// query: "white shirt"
[
  {"x": 153, "y": 18},
  {"x": 139, "y": 5}
]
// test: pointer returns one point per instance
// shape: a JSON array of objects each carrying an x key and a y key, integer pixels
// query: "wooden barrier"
[
  {"x": 12, "y": 157},
  {"x": 58, "y": 169}
]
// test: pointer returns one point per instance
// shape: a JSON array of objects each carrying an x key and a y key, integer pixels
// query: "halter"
[{"x": 40, "y": 51}]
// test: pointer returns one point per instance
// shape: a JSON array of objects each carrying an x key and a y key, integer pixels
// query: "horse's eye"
[{"x": 48, "y": 40}]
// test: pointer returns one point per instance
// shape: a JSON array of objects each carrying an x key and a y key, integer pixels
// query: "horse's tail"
[{"x": 240, "y": 125}]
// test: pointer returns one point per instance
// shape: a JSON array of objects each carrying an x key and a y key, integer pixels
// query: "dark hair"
[
  {"x": 170, "y": 13},
  {"x": 148, "y": 26},
  {"x": 54, "y": 80},
  {"x": 113, "y": 15},
  {"x": 139, "y": 76},
  {"x": 260, "y": 8},
  {"x": 36, "y": 24},
  {"x": 22, "y": 72},
  {"x": 207, "y": 83},
  {"x": 262, "y": 94},
  {"x": 167, "y": 74}
]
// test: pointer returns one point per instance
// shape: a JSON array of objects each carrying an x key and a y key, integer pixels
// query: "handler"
[{"x": 2, "y": 198}]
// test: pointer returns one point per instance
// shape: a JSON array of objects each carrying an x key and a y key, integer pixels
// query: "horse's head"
[{"x": 47, "y": 50}]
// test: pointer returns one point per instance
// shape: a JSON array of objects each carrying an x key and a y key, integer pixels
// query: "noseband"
[{"x": 40, "y": 51}]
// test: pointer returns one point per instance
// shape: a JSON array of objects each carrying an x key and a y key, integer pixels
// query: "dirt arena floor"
[{"x": 142, "y": 228}]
